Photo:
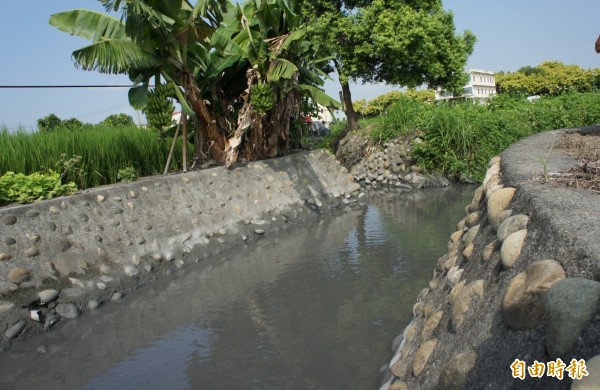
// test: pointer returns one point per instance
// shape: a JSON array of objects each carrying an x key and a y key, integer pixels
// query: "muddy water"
[{"x": 314, "y": 307}]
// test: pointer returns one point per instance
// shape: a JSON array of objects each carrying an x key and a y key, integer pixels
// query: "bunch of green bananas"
[
  {"x": 261, "y": 97},
  {"x": 159, "y": 107}
]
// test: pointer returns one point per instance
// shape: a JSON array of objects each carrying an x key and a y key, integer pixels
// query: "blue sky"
[{"x": 511, "y": 34}]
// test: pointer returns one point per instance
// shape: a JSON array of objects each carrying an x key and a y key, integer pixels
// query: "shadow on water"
[{"x": 312, "y": 307}]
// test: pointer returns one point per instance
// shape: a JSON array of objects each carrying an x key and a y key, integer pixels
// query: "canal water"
[{"x": 313, "y": 307}]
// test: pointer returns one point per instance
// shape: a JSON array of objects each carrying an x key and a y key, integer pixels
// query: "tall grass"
[
  {"x": 461, "y": 137},
  {"x": 103, "y": 151}
]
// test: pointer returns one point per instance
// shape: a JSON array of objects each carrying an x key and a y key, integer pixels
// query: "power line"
[{"x": 66, "y": 86}]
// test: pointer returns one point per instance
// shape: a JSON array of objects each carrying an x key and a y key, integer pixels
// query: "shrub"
[
  {"x": 127, "y": 174},
  {"x": 17, "y": 187},
  {"x": 49, "y": 122},
  {"x": 117, "y": 120}
]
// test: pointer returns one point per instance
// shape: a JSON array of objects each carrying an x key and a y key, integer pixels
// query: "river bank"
[
  {"x": 62, "y": 257},
  {"x": 518, "y": 286}
]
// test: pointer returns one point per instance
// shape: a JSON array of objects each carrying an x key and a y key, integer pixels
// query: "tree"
[
  {"x": 118, "y": 120},
  {"x": 214, "y": 56},
  {"x": 548, "y": 78},
  {"x": 49, "y": 122},
  {"x": 400, "y": 42}
]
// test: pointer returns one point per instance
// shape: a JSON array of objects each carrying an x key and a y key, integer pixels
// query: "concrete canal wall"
[
  {"x": 519, "y": 285},
  {"x": 67, "y": 255}
]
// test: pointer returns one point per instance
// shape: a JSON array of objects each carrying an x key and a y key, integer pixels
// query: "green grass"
[
  {"x": 460, "y": 138},
  {"x": 103, "y": 151}
]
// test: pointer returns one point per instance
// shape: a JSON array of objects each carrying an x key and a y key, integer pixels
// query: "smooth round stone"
[
  {"x": 130, "y": 271},
  {"x": 93, "y": 304},
  {"x": 48, "y": 295},
  {"x": 570, "y": 305},
  {"x": 260, "y": 232},
  {"x": 19, "y": 275},
  {"x": 14, "y": 330},
  {"x": 117, "y": 296},
  {"x": 68, "y": 310}
]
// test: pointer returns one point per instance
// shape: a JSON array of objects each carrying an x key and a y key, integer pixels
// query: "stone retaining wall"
[
  {"x": 518, "y": 286},
  {"x": 70, "y": 254}
]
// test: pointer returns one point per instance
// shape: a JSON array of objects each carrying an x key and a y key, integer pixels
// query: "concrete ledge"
[{"x": 92, "y": 247}]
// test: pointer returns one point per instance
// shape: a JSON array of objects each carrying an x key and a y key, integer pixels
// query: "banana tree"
[
  {"x": 238, "y": 71},
  {"x": 280, "y": 67}
]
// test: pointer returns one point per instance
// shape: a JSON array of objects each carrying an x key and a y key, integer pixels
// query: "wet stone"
[
  {"x": 569, "y": 306},
  {"x": 10, "y": 241},
  {"x": 51, "y": 226}
]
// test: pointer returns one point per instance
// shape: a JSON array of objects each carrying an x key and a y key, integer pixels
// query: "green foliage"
[
  {"x": 49, "y": 122},
  {"x": 117, "y": 120},
  {"x": 402, "y": 117},
  {"x": 71, "y": 167},
  {"x": 459, "y": 139},
  {"x": 397, "y": 42},
  {"x": 212, "y": 53},
  {"x": 91, "y": 158},
  {"x": 127, "y": 174},
  {"x": 380, "y": 104},
  {"x": 17, "y": 187},
  {"x": 549, "y": 78}
]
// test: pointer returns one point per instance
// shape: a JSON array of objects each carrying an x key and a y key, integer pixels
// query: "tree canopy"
[
  {"x": 548, "y": 78},
  {"x": 401, "y": 42}
]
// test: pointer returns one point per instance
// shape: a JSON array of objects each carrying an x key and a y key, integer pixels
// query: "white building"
[{"x": 482, "y": 85}]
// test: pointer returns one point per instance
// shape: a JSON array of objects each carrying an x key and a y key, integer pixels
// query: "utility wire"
[{"x": 66, "y": 86}]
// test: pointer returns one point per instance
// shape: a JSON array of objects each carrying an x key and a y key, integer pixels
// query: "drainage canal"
[{"x": 314, "y": 307}]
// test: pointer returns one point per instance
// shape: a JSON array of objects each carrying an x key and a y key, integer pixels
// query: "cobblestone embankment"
[
  {"x": 519, "y": 285},
  {"x": 61, "y": 257}
]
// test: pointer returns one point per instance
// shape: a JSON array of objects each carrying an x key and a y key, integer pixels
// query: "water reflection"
[{"x": 315, "y": 307}]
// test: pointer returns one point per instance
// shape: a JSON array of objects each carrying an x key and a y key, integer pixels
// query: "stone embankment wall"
[
  {"x": 519, "y": 284},
  {"x": 67, "y": 255},
  {"x": 389, "y": 167}
]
